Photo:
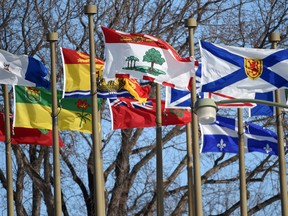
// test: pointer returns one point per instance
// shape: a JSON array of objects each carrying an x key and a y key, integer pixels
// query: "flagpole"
[
  {"x": 10, "y": 199},
  {"x": 242, "y": 171},
  {"x": 190, "y": 24},
  {"x": 159, "y": 165},
  {"x": 274, "y": 38},
  {"x": 52, "y": 37},
  {"x": 99, "y": 198}
]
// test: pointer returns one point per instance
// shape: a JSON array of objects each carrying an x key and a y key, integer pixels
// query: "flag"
[
  {"x": 129, "y": 113},
  {"x": 245, "y": 69},
  {"x": 33, "y": 109},
  {"x": 145, "y": 57},
  {"x": 76, "y": 66},
  {"x": 182, "y": 99},
  {"x": 265, "y": 110},
  {"x": 221, "y": 136},
  {"x": 22, "y": 70},
  {"x": 27, "y": 135}
]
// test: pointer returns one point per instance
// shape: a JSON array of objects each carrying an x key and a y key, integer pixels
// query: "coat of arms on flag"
[{"x": 146, "y": 57}]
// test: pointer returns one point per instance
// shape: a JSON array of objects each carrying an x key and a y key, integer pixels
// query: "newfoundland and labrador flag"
[
  {"x": 76, "y": 66},
  {"x": 245, "y": 69},
  {"x": 221, "y": 136},
  {"x": 145, "y": 57},
  {"x": 22, "y": 70},
  {"x": 33, "y": 109},
  {"x": 27, "y": 135},
  {"x": 129, "y": 113}
]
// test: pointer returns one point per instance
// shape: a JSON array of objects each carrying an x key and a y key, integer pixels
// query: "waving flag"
[
  {"x": 182, "y": 99},
  {"x": 222, "y": 136},
  {"x": 22, "y": 70},
  {"x": 245, "y": 69},
  {"x": 129, "y": 113},
  {"x": 145, "y": 57},
  {"x": 76, "y": 66},
  {"x": 33, "y": 109},
  {"x": 27, "y": 135}
]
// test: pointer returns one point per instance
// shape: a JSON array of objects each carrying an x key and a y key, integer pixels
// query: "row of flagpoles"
[{"x": 193, "y": 152}]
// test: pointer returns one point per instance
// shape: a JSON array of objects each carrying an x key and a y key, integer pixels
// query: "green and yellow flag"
[{"x": 33, "y": 109}]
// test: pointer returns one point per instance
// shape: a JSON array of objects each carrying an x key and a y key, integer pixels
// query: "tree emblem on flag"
[
  {"x": 33, "y": 94},
  {"x": 152, "y": 56},
  {"x": 84, "y": 117},
  {"x": 253, "y": 68}
]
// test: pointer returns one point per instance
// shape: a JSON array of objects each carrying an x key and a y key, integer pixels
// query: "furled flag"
[
  {"x": 245, "y": 69},
  {"x": 221, "y": 136},
  {"x": 33, "y": 109},
  {"x": 76, "y": 66},
  {"x": 129, "y": 113},
  {"x": 145, "y": 57},
  {"x": 22, "y": 70},
  {"x": 265, "y": 110},
  {"x": 27, "y": 135}
]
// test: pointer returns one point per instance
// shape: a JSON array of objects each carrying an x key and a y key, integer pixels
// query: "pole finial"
[
  {"x": 190, "y": 23},
  {"x": 90, "y": 9},
  {"x": 52, "y": 36},
  {"x": 274, "y": 37}
]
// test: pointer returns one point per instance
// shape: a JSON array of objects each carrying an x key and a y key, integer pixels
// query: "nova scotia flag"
[
  {"x": 221, "y": 136},
  {"x": 246, "y": 69}
]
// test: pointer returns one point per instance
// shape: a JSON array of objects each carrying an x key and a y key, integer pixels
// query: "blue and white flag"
[
  {"x": 245, "y": 69},
  {"x": 222, "y": 136},
  {"x": 182, "y": 99},
  {"x": 22, "y": 70}
]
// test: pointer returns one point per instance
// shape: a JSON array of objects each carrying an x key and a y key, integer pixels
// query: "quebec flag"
[
  {"x": 222, "y": 136},
  {"x": 245, "y": 69},
  {"x": 22, "y": 70}
]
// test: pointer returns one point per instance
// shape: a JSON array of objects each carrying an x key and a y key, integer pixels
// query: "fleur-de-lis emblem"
[
  {"x": 267, "y": 149},
  {"x": 83, "y": 105},
  {"x": 221, "y": 145}
]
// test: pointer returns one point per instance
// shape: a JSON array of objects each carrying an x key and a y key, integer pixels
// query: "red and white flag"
[
  {"x": 129, "y": 113},
  {"x": 145, "y": 57}
]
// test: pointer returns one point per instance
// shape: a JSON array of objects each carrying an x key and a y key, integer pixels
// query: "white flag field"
[{"x": 145, "y": 57}]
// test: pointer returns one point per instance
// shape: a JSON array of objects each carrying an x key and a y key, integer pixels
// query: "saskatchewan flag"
[{"x": 33, "y": 109}]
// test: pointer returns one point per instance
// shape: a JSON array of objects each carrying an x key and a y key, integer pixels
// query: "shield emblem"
[{"x": 253, "y": 68}]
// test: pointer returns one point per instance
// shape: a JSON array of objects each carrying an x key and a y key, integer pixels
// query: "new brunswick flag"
[{"x": 33, "y": 109}]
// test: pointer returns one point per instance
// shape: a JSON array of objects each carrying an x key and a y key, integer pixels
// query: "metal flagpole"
[
  {"x": 190, "y": 24},
  {"x": 274, "y": 38},
  {"x": 99, "y": 198},
  {"x": 10, "y": 199},
  {"x": 242, "y": 171},
  {"x": 52, "y": 37},
  {"x": 159, "y": 165}
]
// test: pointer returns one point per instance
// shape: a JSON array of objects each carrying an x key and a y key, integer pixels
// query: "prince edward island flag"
[{"x": 246, "y": 69}]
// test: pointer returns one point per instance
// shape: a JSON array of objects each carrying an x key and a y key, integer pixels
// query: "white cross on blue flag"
[
  {"x": 246, "y": 69},
  {"x": 222, "y": 136}
]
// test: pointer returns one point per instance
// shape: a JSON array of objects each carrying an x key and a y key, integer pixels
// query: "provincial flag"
[
  {"x": 33, "y": 109},
  {"x": 76, "y": 67},
  {"x": 27, "y": 135},
  {"x": 22, "y": 70},
  {"x": 129, "y": 113},
  {"x": 242, "y": 69},
  {"x": 145, "y": 57},
  {"x": 222, "y": 136},
  {"x": 182, "y": 99}
]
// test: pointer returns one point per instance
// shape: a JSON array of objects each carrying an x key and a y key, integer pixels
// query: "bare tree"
[{"x": 129, "y": 155}]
